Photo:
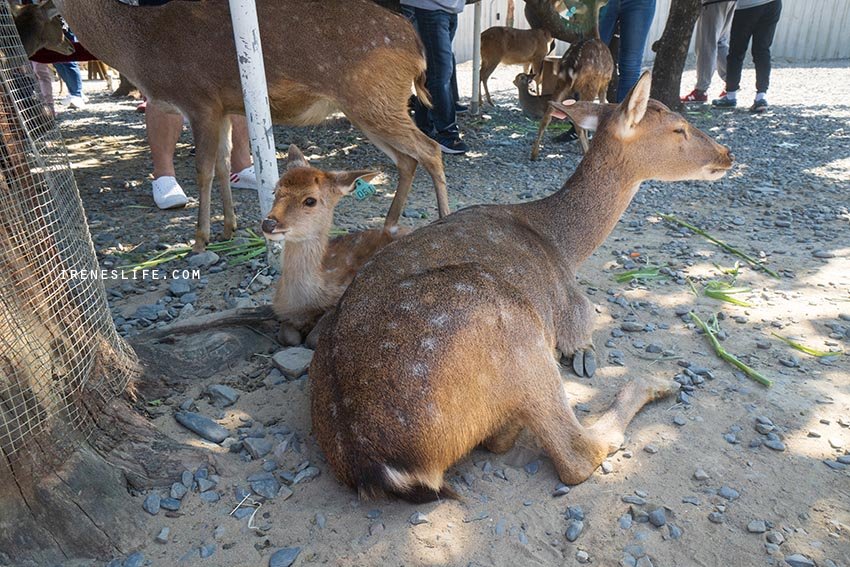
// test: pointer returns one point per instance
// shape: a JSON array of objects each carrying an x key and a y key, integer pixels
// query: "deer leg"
[
  {"x": 487, "y": 70},
  {"x": 206, "y": 130},
  {"x": 503, "y": 440},
  {"x": 575, "y": 334},
  {"x": 582, "y": 138},
  {"x": 575, "y": 450},
  {"x": 222, "y": 172},
  {"x": 544, "y": 122}
]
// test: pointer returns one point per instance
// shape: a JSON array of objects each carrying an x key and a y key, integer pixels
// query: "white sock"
[
  {"x": 732, "y": 95},
  {"x": 760, "y": 96}
]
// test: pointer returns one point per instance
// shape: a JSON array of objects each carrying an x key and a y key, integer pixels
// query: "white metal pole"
[
  {"x": 252, "y": 71},
  {"x": 476, "y": 59}
]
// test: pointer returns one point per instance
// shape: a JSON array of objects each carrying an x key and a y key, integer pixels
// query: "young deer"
[
  {"x": 316, "y": 63},
  {"x": 40, "y": 27},
  {"x": 533, "y": 106},
  {"x": 314, "y": 269},
  {"x": 586, "y": 69},
  {"x": 511, "y": 46},
  {"x": 465, "y": 318}
]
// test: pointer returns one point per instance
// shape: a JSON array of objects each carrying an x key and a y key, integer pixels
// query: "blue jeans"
[
  {"x": 635, "y": 17},
  {"x": 437, "y": 30},
  {"x": 70, "y": 75}
]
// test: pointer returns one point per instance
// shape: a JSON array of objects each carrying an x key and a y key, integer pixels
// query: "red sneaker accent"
[{"x": 695, "y": 96}]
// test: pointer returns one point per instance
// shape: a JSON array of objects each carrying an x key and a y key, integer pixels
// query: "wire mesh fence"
[{"x": 60, "y": 355}]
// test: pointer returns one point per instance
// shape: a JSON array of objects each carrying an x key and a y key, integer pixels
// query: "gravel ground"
[{"x": 730, "y": 473}]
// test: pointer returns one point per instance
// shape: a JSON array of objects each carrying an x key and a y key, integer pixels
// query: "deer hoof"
[{"x": 584, "y": 362}]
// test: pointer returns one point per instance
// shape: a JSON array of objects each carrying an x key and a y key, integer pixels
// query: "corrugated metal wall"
[{"x": 809, "y": 29}]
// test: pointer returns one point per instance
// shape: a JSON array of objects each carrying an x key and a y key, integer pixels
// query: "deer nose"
[{"x": 269, "y": 225}]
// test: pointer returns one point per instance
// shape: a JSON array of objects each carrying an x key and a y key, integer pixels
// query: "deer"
[
  {"x": 197, "y": 74},
  {"x": 533, "y": 106},
  {"x": 466, "y": 318},
  {"x": 512, "y": 46},
  {"x": 315, "y": 270},
  {"x": 586, "y": 69},
  {"x": 40, "y": 27}
]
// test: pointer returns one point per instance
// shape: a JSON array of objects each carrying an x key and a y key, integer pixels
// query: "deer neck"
[
  {"x": 580, "y": 216},
  {"x": 302, "y": 265}
]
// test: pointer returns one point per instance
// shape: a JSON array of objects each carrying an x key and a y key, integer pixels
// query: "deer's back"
[{"x": 513, "y": 46}]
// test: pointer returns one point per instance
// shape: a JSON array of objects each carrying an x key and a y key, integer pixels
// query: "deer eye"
[
  {"x": 309, "y": 202},
  {"x": 679, "y": 131}
]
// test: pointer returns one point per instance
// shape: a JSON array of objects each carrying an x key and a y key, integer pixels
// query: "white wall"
[{"x": 808, "y": 30}]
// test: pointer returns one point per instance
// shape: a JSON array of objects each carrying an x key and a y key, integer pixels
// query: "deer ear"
[
  {"x": 295, "y": 158},
  {"x": 633, "y": 108},
  {"x": 583, "y": 114},
  {"x": 344, "y": 181}
]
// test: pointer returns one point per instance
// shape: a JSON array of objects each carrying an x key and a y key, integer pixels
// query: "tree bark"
[{"x": 671, "y": 51}]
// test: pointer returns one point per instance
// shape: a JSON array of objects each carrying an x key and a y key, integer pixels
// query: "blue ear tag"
[{"x": 363, "y": 189}]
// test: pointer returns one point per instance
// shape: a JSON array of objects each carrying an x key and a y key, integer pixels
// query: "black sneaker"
[
  {"x": 461, "y": 108},
  {"x": 451, "y": 144},
  {"x": 568, "y": 136},
  {"x": 759, "y": 106}
]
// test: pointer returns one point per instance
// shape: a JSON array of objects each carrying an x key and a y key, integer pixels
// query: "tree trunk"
[
  {"x": 671, "y": 51},
  {"x": 543, "y": 14}
]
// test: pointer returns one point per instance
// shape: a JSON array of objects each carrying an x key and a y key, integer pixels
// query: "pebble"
[
  {"x": 731, "y": 438},
  {"x": 205, "y": 484},
  {"x": 179, "y": 287},
  {"x": 844, "y": 459},
  {"x": 418, "y": 518},
  {"x": 162, "y": 536},
  {"x": 674, "y": 531},
  {"x": 775, "y": 537},
  {"x": 607, "y": 467},
  {"x": 636, "y": 500},
  {"x": 799, "y": 560},
  {"x": 632, "y": 327},
  {"x": 657, "y": 517},
  {"x": 210, "y": 496},
  {"x": 561, "y": 490},
  {"x": 835, "y": 465},
  {"x": 294, "y": 361},
  {"x": 700, "y": 474},
  {"x": 575, "y": 513},
  {"x": 203, "y": 260},
  {"x": 823, "y": 254},
  {"x": 716, "y": 517},
  {"x": 644, "y": 561},
  {"x": 222, "y": 396},
  {"x": 134, "y": 560},
  {"x": 207, "y": 550},
  {"x": 151, "y": 503},
  {"x": 574, "y": 529},
  {"x": 321, "y": 521},
  {"x": 728, "y": 493},
  {"x": 679, "y": 420},
  {"x": 757, "y": 527},
  {"x": 306, "y": 475},
  {"x": 625, "y": 521},
  {"x": 264, "y": 484},
  {"x": 374, "y": 514},
  {"x": 284, "y": 557},
  {"x": 257, "y": 447},
  {"x": 203, "y": 426},
  {"x": 690, "y": 500},
  {"x": 773, "y": 442},
  {"x": 532, "y": 467},
  {"x": 178, "y": 490},
  {"x": 651, "y": 449},
  {"x": 187, "y": 479},
  {"x": 170, "y": 504},
  {"x": 582, "y": 556}
]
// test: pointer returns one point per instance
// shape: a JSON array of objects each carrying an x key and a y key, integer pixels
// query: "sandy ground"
[{"x": 785, "y": 200}]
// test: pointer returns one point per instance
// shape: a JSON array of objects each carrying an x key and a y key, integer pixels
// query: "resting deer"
[
  {"x": 465, "y": 318},
  {"x": 512, "y": 46},
  {"x": 585, "y": 69},
  {"x": 316, "y": 63},
  {"x": 40, "y": 27},
  {"x": 533, "y": 106},
  {"x": 315, "y": 270}
]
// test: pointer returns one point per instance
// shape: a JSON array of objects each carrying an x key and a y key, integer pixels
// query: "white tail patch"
[{"x": 404, "y": 481}]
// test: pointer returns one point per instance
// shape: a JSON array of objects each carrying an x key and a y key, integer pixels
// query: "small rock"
[
  {"x": 374, "y": 514},
  {"x": 170, "y": 504},
  {"x": 582, "y": 556},
  {"x": 575, "y": 513},
  {"x": 178, "y": 490},
  {"x": 775, "y": 537},
  {"x": 835, "y": 465},
  {"x": 636, "y": 500},
  {"x": 728, "y": 493},
  {"x": 294, "y": 361},
  {"x": 657, "y": 517},
  {"x": 222, "y": 396},
  {"x": 844, "y": 459},
  {"x": 162, "y": 536},
  {"x": 179, "y": 287},
  {"x": 532, "y": 467},
  {"x": 210, "y": 496},
  {"x": 574, "y": 529},
  {"x": 651, "y": 449},
  {"x": 186, "y": 478},
  {"x": 799, "y": 560},
  {"x": 774, "y": 443},
  {"x": 632, "y": 326},
  {"x": 679, "y": 420},
  {"x": 204, "y": 259},
  {"x": 203, "y": 426},
  {"x": 207, "y": 550},
  {"x": 418, "y": 518},
  {"x": 306, "y": 475},
  {"x": 607, "y": 467},
  {"x": 151, "y": 503},
  {"x": 205, "y": 484},
  {"x": 715, "y": 517},
  {"x": 674, "y": 531},
  {"x": 134, "y": 560},
  {"x": 700, "y": 474},
  {"x": 823, "y": 254},
  {"x": 267, "y": 486},
  {"x": 321, "y": 521},
  {"x": 625, "y": 521},
  {"x": 690, "y": 500},
  {"x": 561, "y": 490},
  {"x": 757, "y": 527},
  {"x": 644, "y": 561},
  {"x": 284, "y": 557},
  {"x": 257, "y": 447}
]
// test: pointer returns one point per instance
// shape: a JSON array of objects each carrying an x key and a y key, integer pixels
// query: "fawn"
[
  {"x": 512, "y": 46},
  {"x": 533, "y": 106},
  {"x": 314, "y": 269},
  {"x": 320, "y": 64},
  {"x": 465, "y": 318}
]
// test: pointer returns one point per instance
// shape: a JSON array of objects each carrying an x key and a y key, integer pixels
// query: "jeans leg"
[
  {"x": 763, "y": 33},
  {"x": 635, "y": 21},
  {"x": 739, "y": 40},
  {"x": 436, "y": 29},
  {"x": 608, "y": 17},
  {"x": 70, "y": 75}
]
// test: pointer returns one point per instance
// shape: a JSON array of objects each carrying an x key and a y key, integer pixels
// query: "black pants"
[{"x": 758, "y": 23}]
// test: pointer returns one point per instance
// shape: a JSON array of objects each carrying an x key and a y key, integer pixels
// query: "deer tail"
[{"x": 421, "y": 92}]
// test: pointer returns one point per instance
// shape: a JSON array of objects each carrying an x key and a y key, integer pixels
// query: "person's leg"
[
  {"x": 708, "y": 29},
  {"x": 763, "y": 32},
  {"x": 723, "y": 38},
  {"x": 44, "y": 76},
  {"x": 739, "y": 39},
  {"x": 635, "y": 21},
  {"x": 163, "y": 131},
  {"x": 435, "y": 29},
  {"x": 242, "y": 171},
  {"x": 608, "y": 17},
  {"x": 70, "y": 75}
]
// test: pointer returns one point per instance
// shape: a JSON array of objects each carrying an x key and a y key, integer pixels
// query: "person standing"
[
  {"x": 635, "y": 17},
  {"x": 756, "y": 20},
  {"x": 712, "y": 45},
  {"x": 436, "y": 23}
]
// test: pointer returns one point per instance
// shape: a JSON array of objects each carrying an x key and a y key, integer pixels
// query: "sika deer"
[
  {"x": 465, "y": 316},
  {"x": 315, "y": 271},
  {"x": 512, "y": 47},
  {"x": 40, "y": 27},
  {"x": 316, "y": 63},
  {"x": 533, "y": 106}
]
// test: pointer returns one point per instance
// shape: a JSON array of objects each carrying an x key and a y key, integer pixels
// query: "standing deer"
[
  {"x": 465, "y": 318},
  {"x": 512, "y": 47},
  {"x": 316, "y": 63},
  {"x": 533, "y": 106},
  {"x": 314, "y": 269}
]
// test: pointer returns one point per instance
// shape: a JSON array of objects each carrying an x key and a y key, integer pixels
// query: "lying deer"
[
  {"x": 316, "y": 63},
  {"x": 585, "y": 69},
  {"x": 512, "y": 46},
  {"x": 40, "y": 27},
  {"x": 315, "y": 270},
  {"x": 465, "y": 318},
  {"x": 533, "y": 106}
]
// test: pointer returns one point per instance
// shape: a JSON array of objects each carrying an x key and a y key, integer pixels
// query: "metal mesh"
[{"x": 60, "y": 356}]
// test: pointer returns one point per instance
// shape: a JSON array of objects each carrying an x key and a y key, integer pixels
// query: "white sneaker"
[
  {"x": 167, "y": 193},
  {"x": 77, "y": 102},
  {"x": 245, "y": 179}
]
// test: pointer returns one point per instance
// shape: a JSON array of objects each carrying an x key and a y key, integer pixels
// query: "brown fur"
[
  {"x": 512, "y": 46},
  {"x": 533, "y": 106},
  {"x": 450, "y": 337},
  {"x": 40, "y": 27},
  {"x": 316, "y": 62},
  {"x": 315, "y": 270},
  {"x": 585, "y": 69}
]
